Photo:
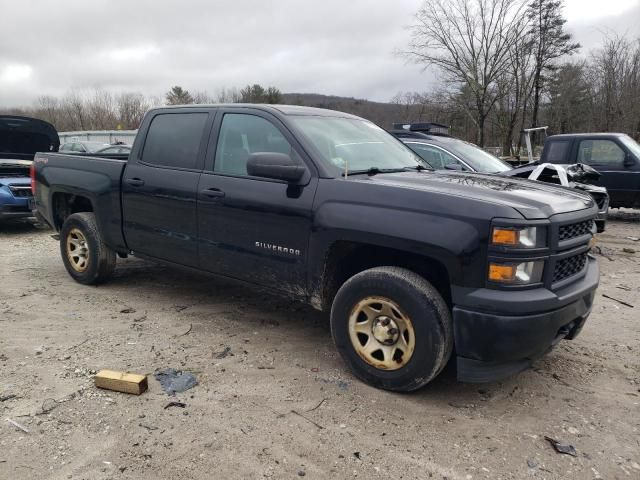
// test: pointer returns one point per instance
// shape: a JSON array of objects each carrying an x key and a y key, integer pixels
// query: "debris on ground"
[
  {"x": 17, "y": 425},
  {"x": 619, "y": 301},
  {"x": 187, "y": 332},
  {"x": 128, "y": 310},
  {"x": 603, "y": 251},
  {"x": 121, "y": 381},
  {"x": 629, "y": 250},
  {"x": 4, "y": 398},
  {"x": 175, "y": 381},
  {"x": 562, "y": 447},
  {"x": 224, "y": 353},
  {"x": 175, "y": 404},
  {"x": 633, "y": 239}
]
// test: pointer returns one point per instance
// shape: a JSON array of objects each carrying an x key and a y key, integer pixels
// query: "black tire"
[
  {"x": 429, "y": 316},
  {"x": 100, "y": 259}
]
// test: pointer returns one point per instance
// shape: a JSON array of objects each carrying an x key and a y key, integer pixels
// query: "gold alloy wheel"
[
  {"x": 381, "y": 333},
  {"x": 77, "y": 250}
]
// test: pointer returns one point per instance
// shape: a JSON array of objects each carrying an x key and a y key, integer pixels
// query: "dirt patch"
[{"x": 273, "y": 399}]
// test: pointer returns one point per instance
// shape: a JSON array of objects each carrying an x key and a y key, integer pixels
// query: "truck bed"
[{"x": 96, "y": 177}]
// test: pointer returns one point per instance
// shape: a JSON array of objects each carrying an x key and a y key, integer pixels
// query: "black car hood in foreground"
[
  {"x": 22, "y": 137},
  {"x": 531, "y": 199}
]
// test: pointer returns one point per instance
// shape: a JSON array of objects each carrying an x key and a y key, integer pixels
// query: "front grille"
[
  {"x": 20, "y": 192},
  {"x": 574, "y": 230},
  {"x": 569, "y": 266}
]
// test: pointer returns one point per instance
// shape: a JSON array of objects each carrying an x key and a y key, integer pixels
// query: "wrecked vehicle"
[
  {"x": 579, "y": 176},
  {"x": 432, "y": 142},
  {"x": 330, "y": 209},
  {"x": 20, "y": 139},
  {"x": 615, "y": 156}
]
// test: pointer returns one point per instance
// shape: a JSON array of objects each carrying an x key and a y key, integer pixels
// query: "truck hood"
[
  {"x": 533, "y": 200},
  {"x": 22, "y": 137}
]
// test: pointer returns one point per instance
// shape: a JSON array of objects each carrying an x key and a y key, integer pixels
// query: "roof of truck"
[
  {"x": 282, "y": 109},
  {"x": 595, "y": 134}
]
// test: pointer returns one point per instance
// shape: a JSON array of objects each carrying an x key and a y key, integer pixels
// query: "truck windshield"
[
  {"x": 357, "y": 145},
  {"x": 632, "y": 145}
]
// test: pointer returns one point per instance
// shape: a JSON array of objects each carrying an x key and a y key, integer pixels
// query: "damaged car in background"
[
  {"x": 20, "y": 139},
  {"x": 432, "y": 142}
]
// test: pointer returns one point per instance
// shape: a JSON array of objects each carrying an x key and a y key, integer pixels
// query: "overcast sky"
[{"x": 341, "y": 47}]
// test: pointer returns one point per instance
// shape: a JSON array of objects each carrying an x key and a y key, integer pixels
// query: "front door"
[
  {"x": 607, "y": 156},
  {"x": 251, "y": 228},
  {"x": 159, "y": 188}
]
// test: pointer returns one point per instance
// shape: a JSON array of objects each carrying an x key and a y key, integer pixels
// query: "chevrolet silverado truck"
[
  {"x": 20, "y": 139},
  {"x": 325, "y": 207},
  {"x": 615, "y": 156}
]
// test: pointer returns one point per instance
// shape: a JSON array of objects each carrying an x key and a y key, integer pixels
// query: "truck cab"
[{"x": 615, "y": 156}]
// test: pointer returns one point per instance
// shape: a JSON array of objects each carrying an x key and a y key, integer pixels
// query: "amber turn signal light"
[
  {"x": 503, "y": 236},
  {"x": 502, "y": 273}
]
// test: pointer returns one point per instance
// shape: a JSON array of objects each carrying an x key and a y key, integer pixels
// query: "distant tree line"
[{"x": 100, "y": 109}]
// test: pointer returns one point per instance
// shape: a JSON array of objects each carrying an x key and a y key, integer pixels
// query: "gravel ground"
[{"x": 274, "y": 400}]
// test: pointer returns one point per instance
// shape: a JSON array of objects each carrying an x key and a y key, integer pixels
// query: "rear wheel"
[
  {"x": 85, "y": 256},
  {"x": 392, "y": 328}
]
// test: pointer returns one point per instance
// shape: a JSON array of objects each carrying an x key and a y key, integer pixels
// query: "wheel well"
[
  {"x": 65, "y": 204},
  {"x": 345, "y": 259}
]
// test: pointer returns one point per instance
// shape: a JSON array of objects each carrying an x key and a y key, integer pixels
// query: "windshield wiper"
[
  {"x": 418, "y": 168},
  {"x": 376, "y": 170}
]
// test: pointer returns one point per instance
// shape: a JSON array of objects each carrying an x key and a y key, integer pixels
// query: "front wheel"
[
  {"x": 392, "y": 327},
  {"x": 85, "y": 256}
]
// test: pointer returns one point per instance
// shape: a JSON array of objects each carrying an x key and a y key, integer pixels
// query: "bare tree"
[
  {"x": 469, "y": 42},
  {"x": 550, "y": 43},
  {"x": 131, "y": 109},
  {"x": 514, "y": 87}
]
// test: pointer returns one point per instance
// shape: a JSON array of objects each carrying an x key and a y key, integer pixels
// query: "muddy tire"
[
  {"x": 392, "y": 327},
  {"x": 85, "y": 256}
]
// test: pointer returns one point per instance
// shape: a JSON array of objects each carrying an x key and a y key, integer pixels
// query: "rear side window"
[
  {"x": 436, "y": 158},
  {"x": 557, "y": 152},
  {"x": 174, "y": 139}
]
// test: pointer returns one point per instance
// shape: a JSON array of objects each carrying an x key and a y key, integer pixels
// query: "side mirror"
[
  {"x": 629, "y": 161},
  {"x": 453, "y": 166},
  {"x": 278, "y": 166}
]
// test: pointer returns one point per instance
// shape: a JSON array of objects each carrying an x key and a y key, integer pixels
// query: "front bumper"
[
  {"x": 15, "y": 211},
  {"x": 12, "y": 206},
  {"x": 521, "y": 326}
]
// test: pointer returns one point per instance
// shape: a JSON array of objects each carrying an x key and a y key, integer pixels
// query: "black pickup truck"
[
  {"x": 330, "y": 209},
  {"x": 615, "y": 156}
]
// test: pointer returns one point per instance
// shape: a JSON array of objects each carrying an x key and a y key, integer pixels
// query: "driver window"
[
  {"x": 240, "y": 136},
  {"x": 601, "y": 152}
]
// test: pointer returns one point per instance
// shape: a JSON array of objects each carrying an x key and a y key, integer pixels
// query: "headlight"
[
  {"x": 523, "y": 273},
  {"x": 519, "y": 237}
]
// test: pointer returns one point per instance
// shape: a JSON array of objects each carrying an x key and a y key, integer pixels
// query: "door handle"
[
  {"x": 135, "y": 182},
  {"x": 212, "y": 193}
]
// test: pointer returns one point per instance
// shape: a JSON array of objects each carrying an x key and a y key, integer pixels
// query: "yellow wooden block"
[{"x": 121, "y": 381}]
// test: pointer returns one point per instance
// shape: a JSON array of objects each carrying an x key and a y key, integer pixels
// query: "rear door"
[
  {"x": 159, "y": 186},
  {"x": 607, "y": 156},
  {"x": 252, "y": 228}
]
